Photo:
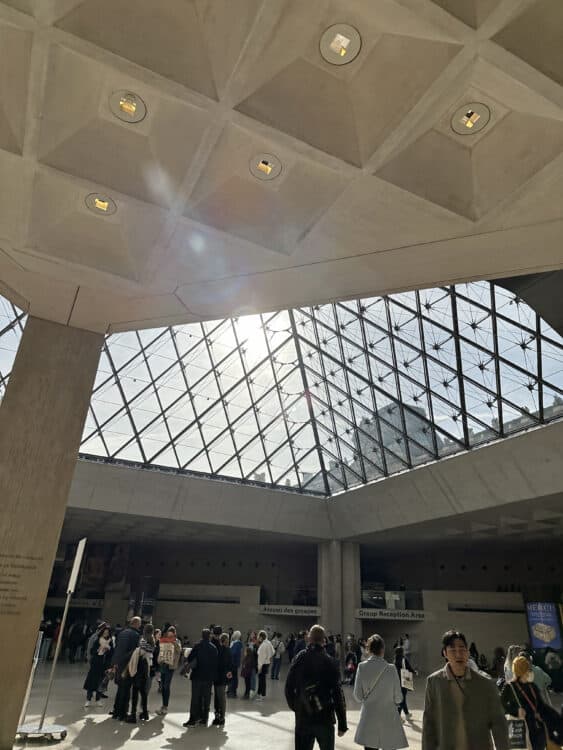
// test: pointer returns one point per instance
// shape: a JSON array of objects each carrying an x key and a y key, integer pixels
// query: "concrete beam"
[
  {"x": 119, "y": 489},
  {"x": 514, "y": 469}
]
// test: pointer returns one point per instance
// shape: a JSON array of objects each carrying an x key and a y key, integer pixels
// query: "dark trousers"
[
  {"x": 276, "y": 669},
  {"x": 262, "y": 680},
  {"x": 233, "y": 684},
  {"x": 201, "y": 700},
  {"x": 403, "y": 706},
  {"x": 247, "y": 686},
  {"x": 305, "y": 736},
  {"x": 166, "y": 675},
  {"x": 139, "y": 691},
  {"x": 219, "y": 700},
  {"x": 122, "y": 697}
]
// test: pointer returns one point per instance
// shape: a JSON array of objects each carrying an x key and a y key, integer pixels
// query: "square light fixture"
[
  {"x": 100, "y": 204},
  {"x": 265, "y": 166},
  {"x": 470, "y": 118},
  {"x": 340, "y": 44},
  {"x": 127, "y": 106}
]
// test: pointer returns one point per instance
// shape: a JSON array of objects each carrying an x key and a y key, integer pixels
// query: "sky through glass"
[{"x": 326, "y": 398}]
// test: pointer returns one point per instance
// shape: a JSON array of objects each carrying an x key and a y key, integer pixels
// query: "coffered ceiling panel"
[
  {"x": 536, "y": 35},
  {"x": 205, "y": 157},
  {"x": 63, "y": 228},
  {"x": 472, "y": 12},
  {"x": 145, "y": 159},
  {"x": 470, "y": 173},
  {"x": 15, "y": 52},
  {"x": 175, "y": 38},
  {"x": 274, "y": 213},
  {"x": 347, "y": 110},
  {"x": 26, "y": 6}
]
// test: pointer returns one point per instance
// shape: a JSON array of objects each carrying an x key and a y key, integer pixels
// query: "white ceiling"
[{"x": 376, "y": 193}]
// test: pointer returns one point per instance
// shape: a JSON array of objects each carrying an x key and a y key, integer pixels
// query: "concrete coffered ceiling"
[{"x": 370, "y": 189}]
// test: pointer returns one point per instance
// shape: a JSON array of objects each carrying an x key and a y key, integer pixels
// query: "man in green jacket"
[{"x": 462, "y": 708}]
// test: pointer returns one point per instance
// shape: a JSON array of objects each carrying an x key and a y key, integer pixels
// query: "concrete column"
[
  {"x": 330, "y": 585},
  {"x": 351, "y": 588},
  {"x": 42, "y": 417}
]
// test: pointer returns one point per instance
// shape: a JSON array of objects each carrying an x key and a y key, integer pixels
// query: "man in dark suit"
[
  {"x": 204, "y": 660},
  {"x": 126, "y": 642}
]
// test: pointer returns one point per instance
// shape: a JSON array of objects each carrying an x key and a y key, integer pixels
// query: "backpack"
[{"x": 311, "y": 699}]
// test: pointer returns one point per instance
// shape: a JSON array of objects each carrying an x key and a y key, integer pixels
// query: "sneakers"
[
  {"x": 87, "y": 704},
  {"x": 144, "y": 716},
  {"x": 163, "y": 711},
  {"x": 259, "y": 698},
  {"x": 252, "y": 694}
]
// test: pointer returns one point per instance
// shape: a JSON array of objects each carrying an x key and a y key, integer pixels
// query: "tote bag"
[
  {"x": 518, "y": 737},
  {"x": 407, "y": 679}
]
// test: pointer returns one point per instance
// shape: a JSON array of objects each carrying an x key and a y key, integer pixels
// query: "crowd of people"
[{"x": 465, "y": 707}]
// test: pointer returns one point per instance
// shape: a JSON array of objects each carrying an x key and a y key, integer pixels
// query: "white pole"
[
  {"x": 70, "y": 591},
  {"x": 31, "y": 676}
]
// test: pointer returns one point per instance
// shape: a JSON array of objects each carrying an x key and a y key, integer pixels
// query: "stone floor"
[{"x": 249, "y": 726}]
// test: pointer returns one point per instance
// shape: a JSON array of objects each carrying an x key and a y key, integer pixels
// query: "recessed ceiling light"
[
  {"x": 100, "y": 204},
  {"x": 471, "y": 118},
  {"x": 127, "y": 106},
  {"x": 265, "y": 166},
  {"x": 340, "y": 44}
]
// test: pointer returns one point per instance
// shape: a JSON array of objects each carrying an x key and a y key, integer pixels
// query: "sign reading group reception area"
[
  {"x": 409, "y": 615},
  {"x": 289, "y": 610}
]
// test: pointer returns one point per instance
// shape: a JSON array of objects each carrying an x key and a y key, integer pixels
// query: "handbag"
[
  {"x": 518, "y": 736},
  {"x": 407, "y": 677}
]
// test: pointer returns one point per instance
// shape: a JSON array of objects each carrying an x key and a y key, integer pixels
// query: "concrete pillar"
[
  {"x": 42, "y": 417},
  {"x": 351, "y": 588},
  {"x": 330, "y": 585},
  {"x": 339, "y": 586}
]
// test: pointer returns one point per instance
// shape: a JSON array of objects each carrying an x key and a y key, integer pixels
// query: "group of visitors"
[
  {"x": 134, "y": 656},
  {"x": 464, "y": 708}
]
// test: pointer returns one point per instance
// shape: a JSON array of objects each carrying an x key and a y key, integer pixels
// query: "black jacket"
[
  {"x": 315, "y": 665},
  {"x": 206, "y": 660},
  {"x": 127, "y": 642},
  {"x": 224, "y": 664}
]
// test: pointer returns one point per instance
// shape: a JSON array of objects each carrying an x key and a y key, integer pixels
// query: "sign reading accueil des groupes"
[{"x": 543, "y": 622}]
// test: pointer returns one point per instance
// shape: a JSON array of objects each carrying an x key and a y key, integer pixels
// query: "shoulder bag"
[
  {"x": 407, "y": 677},
  {"x": 518, "y": 735},
  {"x": 374, "y": 684}
]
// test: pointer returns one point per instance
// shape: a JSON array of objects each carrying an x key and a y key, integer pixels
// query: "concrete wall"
[
  {"x": 191, "y": 617},
  {"x": 487, "y": 629},
  {"x": 280, "y": 569},
  {"x": 467, "y": 566}
]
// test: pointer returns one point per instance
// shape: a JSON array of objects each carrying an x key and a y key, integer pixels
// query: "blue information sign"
[{"x": 543, "y": 622}]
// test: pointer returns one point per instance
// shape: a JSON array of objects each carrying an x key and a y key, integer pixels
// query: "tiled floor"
[{"x": 249, "y": 726}]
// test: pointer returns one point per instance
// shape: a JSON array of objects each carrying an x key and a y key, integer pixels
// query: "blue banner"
[{"x": 543, "y": 623}]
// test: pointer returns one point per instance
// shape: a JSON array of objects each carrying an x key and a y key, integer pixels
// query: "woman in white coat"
[{"x": 378, "y": 689}]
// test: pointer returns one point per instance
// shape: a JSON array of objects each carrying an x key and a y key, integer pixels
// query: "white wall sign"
[
  {"x": 409, "y": 615},
  {"x": 289, "y": 610}
]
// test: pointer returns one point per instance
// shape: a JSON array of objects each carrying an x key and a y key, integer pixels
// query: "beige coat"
[{"x": 482, "y": 713}]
